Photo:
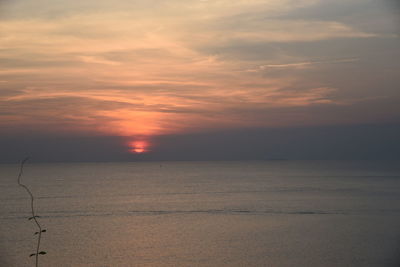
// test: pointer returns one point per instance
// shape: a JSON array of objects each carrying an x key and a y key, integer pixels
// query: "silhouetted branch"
[{"x": 33, "y": 217}]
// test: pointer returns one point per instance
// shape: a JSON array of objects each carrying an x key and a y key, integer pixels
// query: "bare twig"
[{"x": 34, "y": 216}]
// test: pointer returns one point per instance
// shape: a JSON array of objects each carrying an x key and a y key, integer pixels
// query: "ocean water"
[{"x": 250, "y": 213}]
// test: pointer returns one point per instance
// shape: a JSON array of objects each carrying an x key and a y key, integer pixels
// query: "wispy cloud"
[
  {"x": 307, "y": 64},
  {"x": 167, "y": 66}
]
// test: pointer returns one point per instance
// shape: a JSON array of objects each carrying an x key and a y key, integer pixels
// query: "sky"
[{"x": 199, "y": 79}]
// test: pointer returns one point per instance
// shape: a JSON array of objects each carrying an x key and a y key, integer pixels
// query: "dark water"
[{"x": 272, "y": 213}]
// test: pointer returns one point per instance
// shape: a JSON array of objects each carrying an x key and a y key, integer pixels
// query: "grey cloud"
[
  {"x": 331, "y": 10},
  {"x": 243, "y": 51},
  {"x": 155, "y": 87},
  {"x": 308, "y": 63},
  {"x": 10, "y": 92},
  {"x": 23, "y": 62},
  {"x": 58, "y": 108},
  {"x": 133, "y": 54},
  {"x": 54, "y": 9},
  {"x": 61, "y": 104},
  {"x": 361, "y": 14}
]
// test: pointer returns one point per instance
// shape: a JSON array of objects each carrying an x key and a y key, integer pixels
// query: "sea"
[{"x": 233, "y": 213}]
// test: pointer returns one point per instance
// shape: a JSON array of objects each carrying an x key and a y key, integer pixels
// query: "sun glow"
[{"x": 138, "y": 146}]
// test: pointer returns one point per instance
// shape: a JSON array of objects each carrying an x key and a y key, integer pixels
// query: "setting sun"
[{"x": 138, "y": 147}]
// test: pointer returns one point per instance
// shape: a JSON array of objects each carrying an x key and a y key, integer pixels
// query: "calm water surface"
[{"x": 266, "y": 213}]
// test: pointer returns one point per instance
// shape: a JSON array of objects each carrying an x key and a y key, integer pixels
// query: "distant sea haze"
[
  {"x": 343, "y": 142},
  {"x": 237, "y": 213}
]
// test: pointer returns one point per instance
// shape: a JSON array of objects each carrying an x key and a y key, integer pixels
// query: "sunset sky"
[{"x": 141, "y": 71}]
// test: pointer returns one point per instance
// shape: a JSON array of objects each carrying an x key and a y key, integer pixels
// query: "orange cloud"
[{"x": 159, "y": 70}]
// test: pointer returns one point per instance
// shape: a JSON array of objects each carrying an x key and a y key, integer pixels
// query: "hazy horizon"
[{"x": 361, "y": 142}]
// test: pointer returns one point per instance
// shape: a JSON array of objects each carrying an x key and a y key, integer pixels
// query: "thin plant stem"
[{"x": 34, "y": 216}]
